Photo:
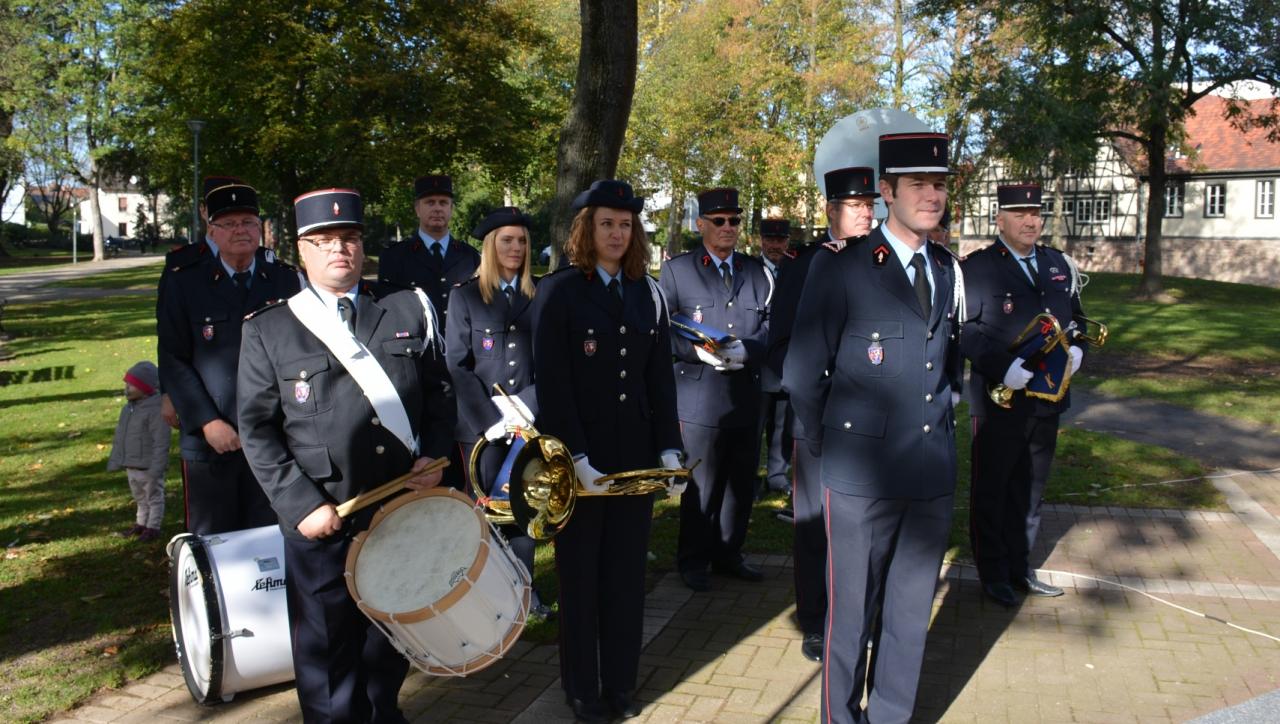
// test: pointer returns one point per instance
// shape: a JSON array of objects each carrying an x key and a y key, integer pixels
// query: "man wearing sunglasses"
[
  {"x": 718, "y": 390},
  {"x": 199, "y": 324}
]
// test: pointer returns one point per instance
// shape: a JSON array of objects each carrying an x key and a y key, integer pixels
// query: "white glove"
[
  {"x": 514, "y": 412},
  {"x": 709, "y": 358},
  {"x": 1077, "y": 357},
  {"x": 588, "y": 475},
  {"x": 1017, "y": 378},
  {"x": 671, "y": 461},
  {"x": 497, "y": 431},
  {"x": 955, "y": 399},
  {"x": 734, "y": 352}
]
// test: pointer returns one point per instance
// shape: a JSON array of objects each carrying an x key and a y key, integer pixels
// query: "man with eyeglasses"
[
  {"x": 194, "y": 252},
  {"x": 718, "y": 390},
  {"x": 338, "y": 396},
  {"x": 199, "y": 330},
  {"x": 851, "y": 196},
  {"x": 873, "y": 369}
]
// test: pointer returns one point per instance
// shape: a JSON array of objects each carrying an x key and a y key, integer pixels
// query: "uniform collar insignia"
[
  {"x": 880, "y": 254},
  {"x": 706, "y": 260}
]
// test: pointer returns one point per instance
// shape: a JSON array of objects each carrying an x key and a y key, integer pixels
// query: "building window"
[
  {"x": 993, "y": 208},
  {"x": 1215, "y": 200},
  {"x": 1266, "y": 199},
  {"x": 122, "y": 204},
  {"x": 124, "y": 229},
  {"x": 1046, "y": 207},
  {"x": 1093, "y": 211},
  {"x": 1173, "y": 200}
]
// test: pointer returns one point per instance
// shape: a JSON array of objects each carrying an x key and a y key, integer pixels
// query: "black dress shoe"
[
  {"x": 812, "y": 647},
  {"x": 1036, "y": 587},
  {"x": 1001, "y": 593},
  {"x": 589, "y": 711},
  {"x": 622, "y": 705},
  {"x": 739, "y": 570},
  {"x": 696, "y": 580}
]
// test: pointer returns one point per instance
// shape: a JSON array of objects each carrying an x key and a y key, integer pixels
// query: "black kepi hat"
[
  {"x": 722, "y": 199},
  {"x": 1018, "y": 196},
  {"x": 843, "y": 183},
  {"x": 328, "y": 209},
  {"x": 433, "y": 185},
  {"x": 609, "y": 193},
  {"x": 775, "y": 227},
  {"x": 914, "y": 153},
  {"x": 212, "y": 182},
  {"x": 231, "y": 197},
  {"x": 498, "y": 218}
]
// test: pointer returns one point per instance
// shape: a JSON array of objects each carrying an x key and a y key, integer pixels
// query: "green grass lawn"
[
  {"x": 1216, "y": 349},
  {"x": 138, "y": 277},
  {"x": 84, "y": 610}
]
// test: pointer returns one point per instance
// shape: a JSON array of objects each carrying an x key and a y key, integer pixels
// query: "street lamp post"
[{"x": 195, "y": 127}]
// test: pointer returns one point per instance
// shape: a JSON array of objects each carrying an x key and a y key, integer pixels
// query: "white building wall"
[{"x": 13, "y": 211}]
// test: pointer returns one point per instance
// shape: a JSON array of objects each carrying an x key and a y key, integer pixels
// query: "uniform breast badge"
[
  {"x": 1007, "y": 307},
  {"x": 589, "y": 347},
  {"x": 302, "y": 391},
  {"x": 207, "y": 332},
  {"x": 487, "y": 343},
  {"x": 875, "y": 352},
  {"x": 697, "y": 315}
]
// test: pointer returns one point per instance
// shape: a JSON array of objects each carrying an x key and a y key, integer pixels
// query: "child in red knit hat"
[{"x": 141, "y": 448}]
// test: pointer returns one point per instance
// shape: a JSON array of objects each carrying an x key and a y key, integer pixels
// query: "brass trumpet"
[
  {"x": 1002, "y": 395},
  {"x": 1097, "y": 339},
  {"x": 544, "y": 486}
]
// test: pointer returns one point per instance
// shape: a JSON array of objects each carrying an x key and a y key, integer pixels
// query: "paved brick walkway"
[{"x": 1101, "y": 653}]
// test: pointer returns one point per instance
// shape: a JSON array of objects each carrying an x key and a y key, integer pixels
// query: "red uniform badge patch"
[
  {"x": 207, "y": 332},
  {"x": 589, "y": 347},
  {"x": 302, "y": 392}
]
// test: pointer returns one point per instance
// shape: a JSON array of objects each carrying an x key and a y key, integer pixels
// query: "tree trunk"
[
  {"x": 95, "y": 212},
  {"x": 1152, "y": 284},
  {"x": 1058, "y": 236},
  {"x": 591, "y": 139},
  {"x": 674, "y": 218}
]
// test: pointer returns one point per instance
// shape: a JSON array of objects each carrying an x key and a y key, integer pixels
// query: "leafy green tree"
[{"x": 1123, "y": 70}]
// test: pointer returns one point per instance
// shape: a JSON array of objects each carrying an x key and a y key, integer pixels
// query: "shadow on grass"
[
  {"x": 68, "y": 397},
  {"x": 106, "y": 318}
]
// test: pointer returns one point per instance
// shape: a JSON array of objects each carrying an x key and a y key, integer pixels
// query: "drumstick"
[{"x": 369, "y": 497}]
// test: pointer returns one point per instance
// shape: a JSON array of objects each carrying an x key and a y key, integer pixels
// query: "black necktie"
[
  {"x": 509, "y": 292},
  {"x": 347, "y": 311},
  {"x": 437, "y": 254},
  {"x": 241, "y": 280},
  {"x": 615, "y": 289},
  {"x": 726, "y": 276},
  {"x": 1031, "y": 271},
  {"x": 922, "y": 285}
]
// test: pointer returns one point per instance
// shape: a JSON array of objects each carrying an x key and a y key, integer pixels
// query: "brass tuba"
[{"x": 544, "y": 486}]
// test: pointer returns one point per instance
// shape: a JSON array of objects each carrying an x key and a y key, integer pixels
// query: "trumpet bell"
[{"x": 542, "y": 487}]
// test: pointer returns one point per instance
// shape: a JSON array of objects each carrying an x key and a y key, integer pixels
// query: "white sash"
[{"x": 358, "y": 361}]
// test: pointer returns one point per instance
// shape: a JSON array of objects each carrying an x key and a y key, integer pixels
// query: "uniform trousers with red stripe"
[{"x": 883, "y": 555}]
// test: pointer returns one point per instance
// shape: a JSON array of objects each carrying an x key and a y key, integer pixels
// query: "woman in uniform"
[
  {"x": 606, "y": 389},
  {"x": 490, "y": 321}
]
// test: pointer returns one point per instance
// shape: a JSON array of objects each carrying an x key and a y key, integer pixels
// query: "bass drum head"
[{"x": 195, "y": 615}]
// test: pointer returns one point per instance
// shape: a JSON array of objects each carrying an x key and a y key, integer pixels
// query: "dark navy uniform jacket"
[
  {"x": 308, "y": 431},
  {"x": 488, "y": 343},
  {"x": 887, "y": 430},
  {"x": 411, "y": 263},
  {"x": 782, "y": 310},
  {"x": 1000, "y": 302},
  {"x": 693, "y": 286},
  {"x": 199, "y": 325},
  {"x": 603, "y": 370}
]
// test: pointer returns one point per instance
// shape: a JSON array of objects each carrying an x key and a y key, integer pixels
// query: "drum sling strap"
[{"x": 359, "y": 363}]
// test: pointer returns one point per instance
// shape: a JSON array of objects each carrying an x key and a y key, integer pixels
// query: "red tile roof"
[{"x": 1221, "y": 146}]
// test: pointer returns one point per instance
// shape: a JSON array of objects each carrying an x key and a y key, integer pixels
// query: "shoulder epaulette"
[
  {"x": 186, "y": 256},
  {"x": 939, "y": 246},
  {"x": 269, "y": 305},
  {"x": 835, "y": 246}
]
